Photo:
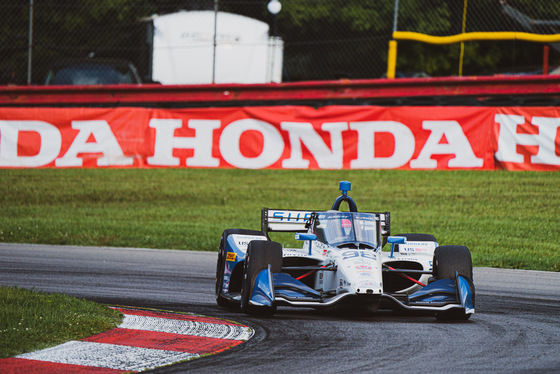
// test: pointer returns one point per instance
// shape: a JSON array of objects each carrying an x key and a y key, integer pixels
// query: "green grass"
[
  {"x": 507, "y": 219},
  {"x": 32, "y": 320}
]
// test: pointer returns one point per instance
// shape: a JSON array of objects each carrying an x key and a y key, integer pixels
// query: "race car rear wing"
[{"x": 281, "y": 220}]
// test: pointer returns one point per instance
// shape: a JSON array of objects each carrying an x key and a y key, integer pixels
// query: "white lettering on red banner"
[
  {"x": 457, "y": 145},
  {"x": 543, "y": 136},
  {"x": 402, "y": 151},
  {"x": 166, "y": 142},
  {"x": 288, "y": 137},
  {"x": 49, "y": 143}
]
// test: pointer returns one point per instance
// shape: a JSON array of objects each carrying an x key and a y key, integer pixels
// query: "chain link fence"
[{"x": 312, "y": 39}]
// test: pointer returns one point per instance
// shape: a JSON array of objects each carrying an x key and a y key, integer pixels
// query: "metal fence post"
[
  {"x": 392, "y": 54},
  {"x": 215, "y": 41},
  {"x": 30, "y": 43}
]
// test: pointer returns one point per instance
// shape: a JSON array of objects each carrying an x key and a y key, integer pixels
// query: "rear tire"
[
  {"x": 260, "y": 254},
  {"x": 221, "y": 264}
]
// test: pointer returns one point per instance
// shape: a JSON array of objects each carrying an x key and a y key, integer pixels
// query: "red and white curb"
[{"x": 144, "y": 340}]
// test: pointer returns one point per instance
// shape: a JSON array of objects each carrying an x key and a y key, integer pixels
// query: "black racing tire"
[
  {"x": 221, "y": 263},
  {"x": 412, "y": 237},
  {"x": 449, "y": 259},
  {"x": 259, "y": 255}
]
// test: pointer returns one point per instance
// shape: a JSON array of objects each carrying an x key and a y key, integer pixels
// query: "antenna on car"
[{"x": 344, "y": 187}]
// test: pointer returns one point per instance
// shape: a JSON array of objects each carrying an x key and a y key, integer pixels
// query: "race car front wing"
[{"x": 282, "y": 289}]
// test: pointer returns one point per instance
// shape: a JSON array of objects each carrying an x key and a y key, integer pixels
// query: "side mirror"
[
  {"x": 300, "y": 236},
  {"x": 303, "y": 237},
  {"x": 395, "y": 240}
]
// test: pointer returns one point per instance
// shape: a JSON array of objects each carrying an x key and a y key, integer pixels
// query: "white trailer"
[{"x": 202, "y": 47}]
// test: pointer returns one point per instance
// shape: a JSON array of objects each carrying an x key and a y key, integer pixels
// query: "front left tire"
[{"x": 448, "y": 261}]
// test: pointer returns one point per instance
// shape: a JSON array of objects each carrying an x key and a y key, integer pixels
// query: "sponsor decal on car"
[
  {"x": 287, "y": 215},
  {"x": 417, "y": 247},
  {"x": 363, "y": 267},
  {"x": 242, "y": 241},
  {"x": 231, "y": 256}
]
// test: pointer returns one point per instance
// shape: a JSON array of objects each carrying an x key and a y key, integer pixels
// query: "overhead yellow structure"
[{"x": 463, "y": 37}]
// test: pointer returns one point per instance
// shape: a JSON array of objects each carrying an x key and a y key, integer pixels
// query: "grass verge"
[
  {"x": 507, "y": 219},
  {"x": 31, "y": 320}
]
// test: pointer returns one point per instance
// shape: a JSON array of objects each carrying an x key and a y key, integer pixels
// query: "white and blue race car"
[{"x": 342, "y": 266}]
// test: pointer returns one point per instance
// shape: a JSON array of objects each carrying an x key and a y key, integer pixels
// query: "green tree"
[{"x": 323, "y": 39}]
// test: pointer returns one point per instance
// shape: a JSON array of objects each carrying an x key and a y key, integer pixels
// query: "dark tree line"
[{"x": 323, "y": 39}]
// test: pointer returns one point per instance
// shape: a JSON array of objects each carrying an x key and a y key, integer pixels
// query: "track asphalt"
[{"x": 144, "y": 340}]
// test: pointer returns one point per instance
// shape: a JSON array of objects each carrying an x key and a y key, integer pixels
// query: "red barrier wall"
[
  {"x": 288, "y": 136},
  {"x": 481, "y": 89}
]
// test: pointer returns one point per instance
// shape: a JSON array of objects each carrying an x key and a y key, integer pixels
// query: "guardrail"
[{"x": 414, "y": 91}]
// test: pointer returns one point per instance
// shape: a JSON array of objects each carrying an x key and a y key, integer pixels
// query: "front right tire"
[
  {"x": 221, "y": 264},
  {"x": 260, "y": 254},
  {"x": 449, "y": 259}
]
